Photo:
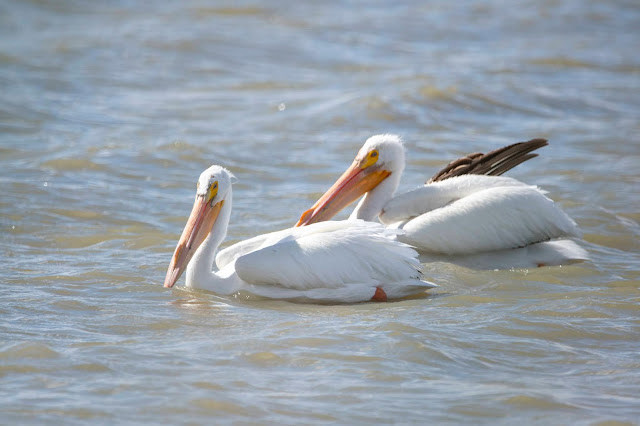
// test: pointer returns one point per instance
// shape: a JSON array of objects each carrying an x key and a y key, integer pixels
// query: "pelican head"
[
  {"x": 211, "y": 189},
  {"x": 379, "y": 157}
]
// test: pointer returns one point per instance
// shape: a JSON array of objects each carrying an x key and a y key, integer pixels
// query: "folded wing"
[
  {"x": 330, "y": 255},
  {"x": 471, "y": 214}
]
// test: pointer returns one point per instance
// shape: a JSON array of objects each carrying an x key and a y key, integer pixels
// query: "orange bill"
[
  {"x": 203, "y": 216},
  {"x": 354, "y": 182}
]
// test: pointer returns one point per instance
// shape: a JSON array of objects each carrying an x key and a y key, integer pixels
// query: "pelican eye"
[
  {"x": 370, "y": 159},
  {"x": 213, "y": 191}
]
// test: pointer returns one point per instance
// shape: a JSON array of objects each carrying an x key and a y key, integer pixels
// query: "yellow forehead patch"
[
  {"x": 370, "y": 159},
  {"x": 213, "y": 191}
]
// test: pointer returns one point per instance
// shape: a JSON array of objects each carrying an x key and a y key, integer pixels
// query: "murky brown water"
[{"x": 109, "y": 113}]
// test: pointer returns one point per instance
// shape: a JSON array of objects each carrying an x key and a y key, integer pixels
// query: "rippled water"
[{"x": 108, "y": 113}]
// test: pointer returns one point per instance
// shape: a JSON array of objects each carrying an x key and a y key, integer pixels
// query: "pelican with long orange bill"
[
  {"x": 465, "y": 214},
  {"x": 332, "y": 261}
]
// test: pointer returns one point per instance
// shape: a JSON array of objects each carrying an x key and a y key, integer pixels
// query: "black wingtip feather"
[{"x": 493, "y": 163}]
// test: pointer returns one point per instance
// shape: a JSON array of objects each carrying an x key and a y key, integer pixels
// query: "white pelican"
[
  {"x": 475, "y": 220},
  {"x": 345, "y": 261}
]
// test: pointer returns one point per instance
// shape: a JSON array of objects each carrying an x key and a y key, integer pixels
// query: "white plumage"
[
  {"x": 507, "y": 216},
  {"x": 346, "y": 261},
  {"x": 474, "y": 220}
]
